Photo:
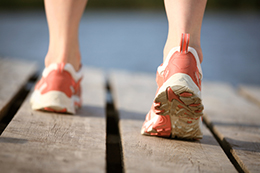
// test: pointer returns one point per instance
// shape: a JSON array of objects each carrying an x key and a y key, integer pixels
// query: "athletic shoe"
[
  {"x": 177, "y": 108},
  {"x": 58, "y": 90}
]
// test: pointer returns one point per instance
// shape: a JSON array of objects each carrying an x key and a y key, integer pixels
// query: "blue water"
[{"x": 134, "y": 40}]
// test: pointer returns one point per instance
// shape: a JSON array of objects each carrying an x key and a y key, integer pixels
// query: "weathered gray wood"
[
  {"x": 13, "y": 76},
  {"x": 251, "y": 92},
  {"x": 236, "y": 122},
  {"x": 37, "y": 141},
  {"x": 133, "y": 95}
]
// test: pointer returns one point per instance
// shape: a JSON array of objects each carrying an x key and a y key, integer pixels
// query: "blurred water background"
[{"x": 130, "y": 35}]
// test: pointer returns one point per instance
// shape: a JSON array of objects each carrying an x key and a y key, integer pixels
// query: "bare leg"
[
  {"x": 179, "y": 78},
  {"x": 63, "y": 20},
  {"x": 184, "y": 16}
]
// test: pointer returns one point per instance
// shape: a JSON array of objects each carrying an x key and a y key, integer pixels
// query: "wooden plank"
[
  {"x": 251, "y": 92},
  {"x": 133, "y": 95},
  {"x": 37, "y": 141},
  {"x": 14, "y": 74},
  {"x": 236, "y": 122}
]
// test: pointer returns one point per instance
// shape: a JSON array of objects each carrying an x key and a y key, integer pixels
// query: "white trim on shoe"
[
  {"x": 53, "y": 99},
  {"x": 76, "y": 75},
  {"x": 68, "y": 67},
  {"x": 180, "y": 79}
]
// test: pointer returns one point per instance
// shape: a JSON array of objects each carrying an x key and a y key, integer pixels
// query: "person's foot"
[
  {"x": 177, "y": 107},
  {"x": 58, "y": 90}
]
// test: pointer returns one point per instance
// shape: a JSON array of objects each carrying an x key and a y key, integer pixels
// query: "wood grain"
[
  {"x": 251, "y": 92},
  {"x": 14, "y": 74},
  {"x": 37, "y": 141},
  {"x": 133, "y": 94},
  {"x": 236, "y": 122}
]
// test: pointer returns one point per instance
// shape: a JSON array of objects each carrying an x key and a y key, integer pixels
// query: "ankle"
[{"x": 73, "y": 59}]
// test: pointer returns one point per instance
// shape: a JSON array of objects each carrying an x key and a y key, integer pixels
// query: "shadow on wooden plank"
[
  {"x": 13, "y": 140},
  {"x": 90, "y": 111},
  {"x": 134, "y": 116}
]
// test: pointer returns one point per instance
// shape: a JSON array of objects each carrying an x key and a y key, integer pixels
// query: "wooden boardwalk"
[{"x": 104, "y": 135}]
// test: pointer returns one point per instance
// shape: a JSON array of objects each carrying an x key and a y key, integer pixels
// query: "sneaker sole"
[
  {"x": 179, "y": 97},
  {"x": 54, "y": 101}
]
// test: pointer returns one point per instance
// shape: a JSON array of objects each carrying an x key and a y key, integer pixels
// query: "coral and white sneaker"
[
  {"x": 58, "y": 90},
  {"x": 177, "y": 107}
]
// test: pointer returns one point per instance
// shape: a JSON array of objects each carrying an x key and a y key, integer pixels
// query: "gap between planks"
[
  {"x": 235, "y": 122},
  {"x": 135, "y": 120},
  {"x": 14, "y": 75},
  {"x": 26, "y": 70}
]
